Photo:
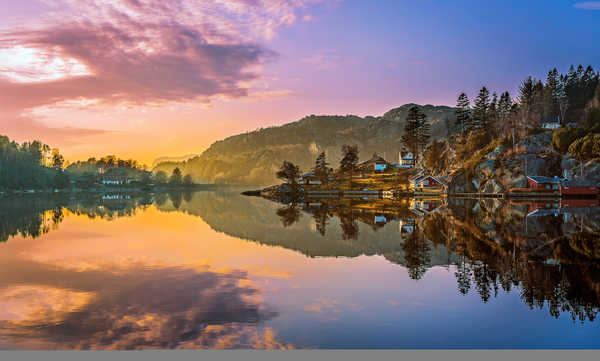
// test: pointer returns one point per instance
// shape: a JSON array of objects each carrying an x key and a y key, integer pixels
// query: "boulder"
[
  {"x": 492, "y": 186},
  {"x": 457, "y": 183},
  {"x": 536, "y": 144},
  {"x": 493, "y": 155},
  {"x": 486, "y": 169},
  {"x": 568, "y": 162}
]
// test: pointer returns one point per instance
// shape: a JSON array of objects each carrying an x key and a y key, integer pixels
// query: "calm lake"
[{"x": 215, "y": 269}]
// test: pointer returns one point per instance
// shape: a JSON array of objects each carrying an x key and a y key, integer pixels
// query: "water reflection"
[
  {"x": 550, "y": 249},
  {"x": 546, "y": 252},
  {"x": 134, "y": 307}
]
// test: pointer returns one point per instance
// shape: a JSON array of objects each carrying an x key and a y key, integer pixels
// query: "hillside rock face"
[
  {"x": 253, "y": 158},
  {"x": 504, "y": 167}
]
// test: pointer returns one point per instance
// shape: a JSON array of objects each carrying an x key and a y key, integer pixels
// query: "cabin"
[
  {"x": 115, "y": 176},
  {"x": 406, "y": 160},
  {"x": 426, "y": 183},
  {"x": 551, "y": 123},
  {"x": 310, "y": 179},
  {"x": 375, "y": 164},
  {"x": 578, "y": 188},
  {"x": 541, "y": 183}
]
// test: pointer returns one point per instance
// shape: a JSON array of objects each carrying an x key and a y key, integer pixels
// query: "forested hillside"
[
  {"x": 254, "y": 157},
  {"x": 31, "y": 165}
]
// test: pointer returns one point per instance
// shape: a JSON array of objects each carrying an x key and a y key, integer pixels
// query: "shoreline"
[{"x": 126, "y": 189}]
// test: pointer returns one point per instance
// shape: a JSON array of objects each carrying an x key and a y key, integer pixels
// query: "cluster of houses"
[
  {"x": 378, "y": 164},
  {"x": 115, "y": 176},
  {"x": 430, "y": 184}
]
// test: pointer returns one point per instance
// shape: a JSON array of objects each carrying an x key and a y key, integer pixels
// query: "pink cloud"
[
  {"x": 141, "y": 51},
  {"x": 24, "y": 128}
]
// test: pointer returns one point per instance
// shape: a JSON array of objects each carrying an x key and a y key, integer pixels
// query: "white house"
[
  {"x": 406, "y": 159},
  {"x": 551, "y": 123}
]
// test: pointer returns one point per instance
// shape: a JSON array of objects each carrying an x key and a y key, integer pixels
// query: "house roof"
[
  {"x": 422, "y": 177},
  {"x": 543, "y": 179},
  {"x": 115, "y": 172},
  {"x": 577, "y": 183},
  {"x": 375, "y": 159}
]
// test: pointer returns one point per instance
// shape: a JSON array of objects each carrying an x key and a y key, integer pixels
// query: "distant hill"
[
  {"x": 172, "y": 159},
  {"x": 254, "y": 157}
]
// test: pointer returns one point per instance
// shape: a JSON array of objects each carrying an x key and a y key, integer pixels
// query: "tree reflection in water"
[{"x": 552, "y": 261}]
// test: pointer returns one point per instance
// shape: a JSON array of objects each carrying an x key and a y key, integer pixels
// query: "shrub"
[
  {"x": 434, "y": 156},
  {"x": 562, "y": 138},
  {"x": 586, "y": 148}
]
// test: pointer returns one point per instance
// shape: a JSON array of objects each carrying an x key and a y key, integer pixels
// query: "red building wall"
[
  {"x": 432, "y": 183},
  {"x": 578, "y": 190}
]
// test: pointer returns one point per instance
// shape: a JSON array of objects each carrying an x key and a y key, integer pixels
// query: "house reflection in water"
[
  {"x": 564, "y": 207},
  {"x": 406, "y": 226},
  {"x": 425, "y": 206}
]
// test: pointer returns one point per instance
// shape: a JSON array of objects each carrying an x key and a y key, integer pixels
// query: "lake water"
[{"x": 215, "y": 269}]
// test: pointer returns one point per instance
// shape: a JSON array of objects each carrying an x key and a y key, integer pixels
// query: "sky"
[{"x": 149, "y": 78}]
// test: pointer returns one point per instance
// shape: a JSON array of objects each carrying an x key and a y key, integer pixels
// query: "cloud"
[
  {"x": 323, "y": 61},
  {"x": 588, "y": 5},
  {"x": 268, "y": 95},
  {"x": 308, "y": 18},
  {"x": 136, "y": 307},
  {"x": 23, "y": 127},
  {"x": 140, "y": 51}
]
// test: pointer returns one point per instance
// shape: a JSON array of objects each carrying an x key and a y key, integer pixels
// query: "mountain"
[{"x": 254, "y": 157}]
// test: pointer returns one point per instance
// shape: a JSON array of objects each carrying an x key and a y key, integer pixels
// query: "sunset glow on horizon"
[{"x": 149, "y": 78}]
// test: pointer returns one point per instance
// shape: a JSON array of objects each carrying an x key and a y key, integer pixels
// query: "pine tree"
[
  {"x": 480, "y": 109},
  {"x": 417, "y": 131},
  {"x": 563, "y": 100},
  {"x": 550, "y": 94},
  {"x": 176, "y": 177},
  {"x": 526, "y": 99},
  {"x": 463, "y": 113},
  {"x": 58, "y": 160},
  {"x": 492, "y": 114},
  {"x": 320, "y": 170},
  {"x": 424, "y": 130},
  {"x": 289, "y": 173},
  {"x": 504, "y": 113},
  {"x": 410, "y": 138},
  {"x": 537, "y": 108},
  {"x": 350, "y": 158}
]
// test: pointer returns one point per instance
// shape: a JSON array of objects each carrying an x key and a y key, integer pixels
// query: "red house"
[
  {"x": 426, "y": 182},
  {"x": 541, "y": 183},
  {"x": 578, "y": 188}
]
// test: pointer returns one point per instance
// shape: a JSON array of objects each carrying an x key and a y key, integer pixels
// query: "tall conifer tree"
[
  {"x": 481, "y": 108},
  {"x": 463, "y": 113}
]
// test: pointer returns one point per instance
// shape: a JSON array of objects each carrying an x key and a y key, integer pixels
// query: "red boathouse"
[
  {"x": 578, "y": 188},
  {"x": 543, "y": 183}
]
